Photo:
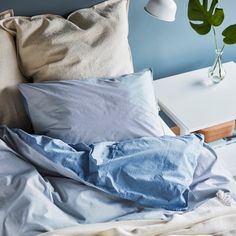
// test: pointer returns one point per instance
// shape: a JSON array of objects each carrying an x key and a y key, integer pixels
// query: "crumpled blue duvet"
[
  {"x": 155, "y": 172},
  {"x": 47, "y": 184}
]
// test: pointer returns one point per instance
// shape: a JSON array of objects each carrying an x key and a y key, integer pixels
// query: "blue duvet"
[
  {"x": 154, "y": 172},
  {"x": 46, "y": 184}
]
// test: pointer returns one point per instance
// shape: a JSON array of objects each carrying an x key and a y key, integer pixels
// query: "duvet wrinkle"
[
  {"x": 104, "y": 176},
  {"x": 143, "y": 178}
]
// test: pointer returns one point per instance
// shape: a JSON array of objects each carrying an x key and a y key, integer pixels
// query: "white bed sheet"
[{"x": 212, "y": 218}]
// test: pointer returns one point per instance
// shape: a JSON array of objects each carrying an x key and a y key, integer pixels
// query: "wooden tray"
[
  {"x": 213, "y": 133},
  {"x": 218, "y": 131}
]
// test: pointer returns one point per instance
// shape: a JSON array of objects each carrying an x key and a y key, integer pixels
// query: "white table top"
[{"x": 193, "y": 103}]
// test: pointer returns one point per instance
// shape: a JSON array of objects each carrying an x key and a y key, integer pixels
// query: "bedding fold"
[
  {"x": 203, "y": 221},
  {"x": 154, "y": 172},
  {"x": 47, "y": 184}
]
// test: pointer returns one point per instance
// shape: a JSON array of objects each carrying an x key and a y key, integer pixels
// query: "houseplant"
[{"x": 204, "y": 18}]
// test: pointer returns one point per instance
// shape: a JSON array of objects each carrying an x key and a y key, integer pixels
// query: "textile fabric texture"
[
  {"x": 49, "y": 183},
  {"x": 12, "y": 112},
  {"x": 6, "y": 14},
  {"x": 168, "y": 165},
  {"x": 92, "y": 42},
  {"x": 94, "y": 110}
]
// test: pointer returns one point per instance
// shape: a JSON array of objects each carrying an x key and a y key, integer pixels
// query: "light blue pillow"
[{"x": 95, "y": 110}]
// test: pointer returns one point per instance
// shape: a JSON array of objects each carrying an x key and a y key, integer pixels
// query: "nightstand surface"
[{"x": 194, "y": 103}]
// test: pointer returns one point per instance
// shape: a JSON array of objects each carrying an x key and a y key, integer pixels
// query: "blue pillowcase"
[{"x": 94, "y": 110}]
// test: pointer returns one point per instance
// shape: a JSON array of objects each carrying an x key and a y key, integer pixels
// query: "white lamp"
[{"x": 162, "y": 9}]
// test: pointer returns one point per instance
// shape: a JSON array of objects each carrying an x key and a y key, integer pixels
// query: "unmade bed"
[{"x": 83, "y": 150}]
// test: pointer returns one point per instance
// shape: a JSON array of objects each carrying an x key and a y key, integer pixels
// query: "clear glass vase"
[{"x": 217, "y": 72}]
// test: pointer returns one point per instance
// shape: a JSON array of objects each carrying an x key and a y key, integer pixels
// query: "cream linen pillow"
[
  {"x": 93, "y": 42},
  {"x": 12, "y": 112},
  {"x": 6, "y": 14}
]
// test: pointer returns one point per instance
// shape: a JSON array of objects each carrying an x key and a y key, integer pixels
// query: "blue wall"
[
  {"x": 171, "y": 48},
  {"x": 168, "y": 48}
]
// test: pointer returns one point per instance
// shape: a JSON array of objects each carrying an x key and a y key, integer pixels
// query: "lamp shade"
[{"x": 162, "y": 9}]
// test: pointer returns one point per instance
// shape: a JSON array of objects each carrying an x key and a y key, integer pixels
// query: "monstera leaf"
[
  {"x": 198, "y": 11},
  {"x": 230, "y": 34}
]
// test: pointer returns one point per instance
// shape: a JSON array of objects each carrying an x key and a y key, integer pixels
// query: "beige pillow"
[
  {"x": 12, "y": 111},
  {"x": 6, "y": 14},
  {"x": 92, "y": 42}
]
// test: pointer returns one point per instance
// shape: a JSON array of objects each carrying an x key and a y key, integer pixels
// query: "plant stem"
[
  {"x": 222, "y": 48},
  {"x": 218, "y": 59},
  {"x": 215, "y": 38}
]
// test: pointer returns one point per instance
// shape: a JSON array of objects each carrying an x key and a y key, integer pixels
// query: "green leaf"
[
  {"x": 201, "y": 29},
  {"x": 201, "y": 18},
  {"x": 230, "y": 34},
  {"x": 218, "y": 17},
  {"x": 213, "y": 5}
]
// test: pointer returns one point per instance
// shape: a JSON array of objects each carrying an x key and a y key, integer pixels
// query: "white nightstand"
[{"x": 194, "y": 104}]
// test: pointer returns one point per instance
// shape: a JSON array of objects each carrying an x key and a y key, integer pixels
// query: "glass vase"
[{"x": 217, "y": 72}]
